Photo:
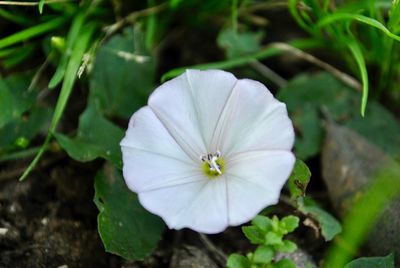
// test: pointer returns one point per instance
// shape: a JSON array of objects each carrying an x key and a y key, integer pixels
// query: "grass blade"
[
  {"x": 74, "y": 63},
  {"x": 364, "y": 19},
  {"x": 32, "y": 32},
  {"x": 357, "y": 54},
  {"x": 71, "y": 38}
]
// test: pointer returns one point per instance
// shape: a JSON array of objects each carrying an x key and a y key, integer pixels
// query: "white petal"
[
  {"x": 255, "y": 180},
  {"x": 200, "y": 206},
  {"x": 210, "y": 90},
  {"x": 253, "y": 120},
  {"x": 151, "y": 156},
  {"x": 190, "y": 105},
  {"x": 146, "y": 133},
  {"x": 145, "y": 171}
]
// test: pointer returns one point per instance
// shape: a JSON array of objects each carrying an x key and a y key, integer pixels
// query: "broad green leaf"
[
  {"x": 262, "y": 222},
  {"x": 372, "y": 262},
  {"x": 125, "y": 227},
  {"x": 304, "y": 96},
  {"x": 238, "y": 261},
  {"x": 329, "y": 226},
  {"x": 285, "y": 263},
  {"x": 273, "y": 239},
  {"x": 263, "y": 254},
  {"x": 239, "y": 44},
  {"x": 96, "y": 137},
  {"x": 15, "y": 98},
  {"x": 286, "y": 246},
  {"x": 122, "y": 77},
  {"x": 378, "y": 126},
  {"x": 18, "y": 133},
  {"x": 253, "y": 234},
  {"x": 299, "y": 179},
  {"x": 289, "y": 223}
]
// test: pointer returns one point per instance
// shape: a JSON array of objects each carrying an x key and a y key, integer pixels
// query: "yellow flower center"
[{"x": 213, "y": 165}]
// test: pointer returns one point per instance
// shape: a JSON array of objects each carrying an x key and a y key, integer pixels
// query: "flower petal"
[
  {"x": 253, "y": 120},
  {"x": 189, "y": 106},
  {"x": 200, "y": 206},
  {"x": 146, "y": 133},
  {"x": 255, "y": 180},
  {"x": 151, "y": 157},
  {"x": 210, "y": 91}
]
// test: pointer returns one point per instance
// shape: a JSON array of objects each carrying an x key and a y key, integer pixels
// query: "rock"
[
  {"x": 349, "y": 163},
  {"x": 301, "y": 258},
  {"x": 191, "y": 257}
]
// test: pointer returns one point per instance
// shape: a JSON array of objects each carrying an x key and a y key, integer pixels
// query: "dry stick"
[
  {"x": 132, "y": 17},
  {"x": 13, "y": 3},
  {"x": 218, "y": 254},
  {"x": 268, "y": 73},
  {"x": 345, "y": 78}
]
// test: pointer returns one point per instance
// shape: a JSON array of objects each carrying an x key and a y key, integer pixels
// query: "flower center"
[{"x": 213, "y": 165}]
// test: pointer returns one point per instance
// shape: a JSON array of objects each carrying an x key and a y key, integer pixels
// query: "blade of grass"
[
  {"x": 79, "y": 48},
  {"x": 41, "y": 5},
  {"x": 22, "y": 54},
  {"x": 267, "y": 52},
  {"x": 292, "y": 4},
  {"x": 358, "y": 56},
  {"x": 71, "y": 38},
  {"x": 32, "y": 32},
  {"x": 16, "y": 18},
  {"x": 366, "y": 20}
]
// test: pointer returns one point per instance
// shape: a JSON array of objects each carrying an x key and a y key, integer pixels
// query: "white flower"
[{"x": 209, "y": 151}]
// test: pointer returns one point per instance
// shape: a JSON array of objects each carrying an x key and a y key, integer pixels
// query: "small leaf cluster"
[{"x": 268, "y": 234}]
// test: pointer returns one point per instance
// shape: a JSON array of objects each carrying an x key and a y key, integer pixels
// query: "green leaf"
[
  {"x": 263, "y": 254},
  {"x": 330, "y": 226},
  {"x": 239, "y": 44},
  {"x": 262, "y": 222},
  {"x": 286, "y": 246},
  {"x": 253, "y": 234},
  {"x": 96, "y": 137},
  {"x": 378, "y": 126},
  {"x": 299, "y": 179},
  {"x": 285, "y": 263},
  {"x": 15, "y": 98},
  {"x": 122, "y": 77},
  {"x": 24, "y": 128},
  {"x": 125, "y": 227},
  {"x": 238, "y": 261},
  {"x": 372, "y": 262},
  {"x": 273, "y": 239},
  {"x": 289, "y": 223},
  {"x": 304, "y": 97}
]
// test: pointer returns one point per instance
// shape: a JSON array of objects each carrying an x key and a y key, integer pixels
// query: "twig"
[
  {"x": 345, "y": 78},
  {"x": 220, "y": 256},
  {"x": 132, "y": 17},
  {"x": 268, "y": 73},
  {"x": 13, "y": 3}
]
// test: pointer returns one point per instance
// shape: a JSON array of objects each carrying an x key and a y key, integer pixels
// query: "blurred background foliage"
[{"x": 99, "y": 60}]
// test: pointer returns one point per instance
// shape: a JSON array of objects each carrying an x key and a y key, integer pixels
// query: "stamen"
[{"x": 213, "y": 162}]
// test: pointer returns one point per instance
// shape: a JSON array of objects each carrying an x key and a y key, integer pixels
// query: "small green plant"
[{"x": 268, "y": 234}]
